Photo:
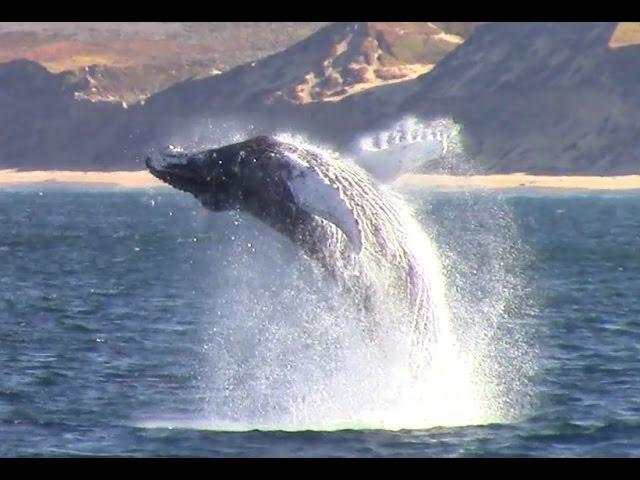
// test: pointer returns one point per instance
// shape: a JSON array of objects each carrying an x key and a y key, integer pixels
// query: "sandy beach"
[
  {"x": 521, "y": 180},
  {"x": 44, "y": 178},
  {"x": 143, "y": 179}
]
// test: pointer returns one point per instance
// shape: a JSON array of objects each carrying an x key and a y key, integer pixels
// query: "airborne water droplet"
[{"x": 300, "y": 370}]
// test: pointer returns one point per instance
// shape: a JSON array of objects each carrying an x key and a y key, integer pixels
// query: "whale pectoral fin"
[
  {"x": 404, "y": 148},
  {"x": 318, "y": 197},
  {"x": 386, "y": 165}
]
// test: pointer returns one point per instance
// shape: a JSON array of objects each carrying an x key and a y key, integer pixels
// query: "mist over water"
[{"x": 285, "y": 349}]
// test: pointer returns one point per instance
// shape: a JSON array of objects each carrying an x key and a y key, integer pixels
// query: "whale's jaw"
[
  {"x": 173, "y": 167},
  {"x": 201, "y": 174}
]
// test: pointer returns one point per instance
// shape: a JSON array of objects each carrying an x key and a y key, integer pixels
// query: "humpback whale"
[{"x": 341, "y": 217}]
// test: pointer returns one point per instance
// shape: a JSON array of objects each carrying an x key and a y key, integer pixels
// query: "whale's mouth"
[
  {"x": 178, "y": 169},
  {"x": 171, "y": 155}
]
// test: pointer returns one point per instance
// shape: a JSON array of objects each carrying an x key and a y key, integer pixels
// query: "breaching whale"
[{"x": 352, "y": 225}]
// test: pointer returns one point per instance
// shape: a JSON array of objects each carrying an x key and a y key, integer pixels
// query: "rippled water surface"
[{"x": 135, "y": 323}]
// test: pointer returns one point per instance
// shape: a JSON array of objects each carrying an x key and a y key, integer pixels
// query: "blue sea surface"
[{"x": 106, "y": 318}]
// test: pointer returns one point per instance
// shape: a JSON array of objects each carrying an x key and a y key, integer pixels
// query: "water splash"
[{"x": 285, "y": 352}]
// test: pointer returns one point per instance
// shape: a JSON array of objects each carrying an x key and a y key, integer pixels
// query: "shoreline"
[
  {"x": 143, "y": 179},
  {"x": 63, "y": 178},
  {"x": 521, "y": 181}
]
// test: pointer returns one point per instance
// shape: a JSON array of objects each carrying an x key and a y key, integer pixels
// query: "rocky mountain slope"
[
  {"x": 128, "y": 61},
  {"x": 338, "y": 60},
  {"x": 531, "y": 97},
  {"x": 332, "y": 63},
  {"x": 282, "y": 90},
  {"x": 557, "y": 98},
  {"x": 42, "y": 125}
]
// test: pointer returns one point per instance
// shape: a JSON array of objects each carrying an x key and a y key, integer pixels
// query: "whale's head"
[
  {"x": 264, "y": 176},
  {"x": 213, "y": 176}
]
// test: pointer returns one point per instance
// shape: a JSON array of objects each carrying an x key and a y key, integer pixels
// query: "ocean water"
[{"x": 134, "y": 323}]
